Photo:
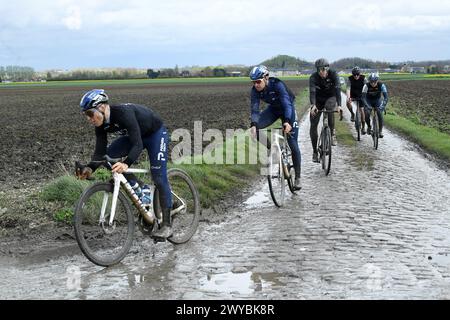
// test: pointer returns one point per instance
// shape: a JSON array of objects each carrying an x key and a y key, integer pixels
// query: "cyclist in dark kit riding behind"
[
  {"x": 324, "y": 92},
  {"x": 281, "y": 105},
  {"x": 355, "y": 85},
  {"x": 141, "y": 128}
]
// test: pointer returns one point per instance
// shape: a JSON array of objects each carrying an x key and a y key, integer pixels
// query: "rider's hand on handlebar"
[
  {"x": 119, "y": 167},
  {"x": 287, "y": 127},
  {"x": 82, "y": 172},
  {"x": 314, "y": 110}
]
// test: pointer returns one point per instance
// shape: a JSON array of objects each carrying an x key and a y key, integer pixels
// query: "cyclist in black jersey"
[
  {"x": 355, "y": 85},
  {"x": 324, "y": 92},
  {"x": 140, "y": 127}
]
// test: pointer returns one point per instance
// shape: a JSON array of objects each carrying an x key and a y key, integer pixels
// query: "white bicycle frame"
[
  {"x": 120, "y": 179},
  {"x": 277, "y": 138},
  {"x": 276, "y": 144}
]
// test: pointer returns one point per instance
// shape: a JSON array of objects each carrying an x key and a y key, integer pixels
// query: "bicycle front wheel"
[
  {"x": 358, "y": 123},
  {"x": 375, "y": 130},
  {"x": 275, "y": 177},
  {"x": 103, "y": 243},
  {"x": 326, "y": 150},
  {"x": 185, "y": 210}
]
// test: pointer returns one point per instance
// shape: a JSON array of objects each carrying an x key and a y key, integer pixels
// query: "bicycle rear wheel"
[
  {"x": 326, "y": 151},
  {"x": 101, "y": 243},
  {"x": 275, "y": 177},
  {"x": 375, "y": 130},
  {"x": 185, "y": 211}
]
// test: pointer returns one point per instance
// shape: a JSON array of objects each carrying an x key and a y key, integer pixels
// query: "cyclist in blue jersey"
[
  {"x": 281, "y": 105},
  {"x": 140, "y": 127},
  {"x": 375, "y": 95}
]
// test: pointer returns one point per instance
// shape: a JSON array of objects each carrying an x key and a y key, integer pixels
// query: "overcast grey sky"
[{"x": 69, "y": 34}]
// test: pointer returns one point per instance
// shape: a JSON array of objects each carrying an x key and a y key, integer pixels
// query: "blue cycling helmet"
[
  {"x": 258, "y": 72},
  {"x": 93, "y": 98},
  {"x": 374, "y": 77}
]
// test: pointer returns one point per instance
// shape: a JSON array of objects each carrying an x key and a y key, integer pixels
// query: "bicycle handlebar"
[{"x": 107, "y": 161}]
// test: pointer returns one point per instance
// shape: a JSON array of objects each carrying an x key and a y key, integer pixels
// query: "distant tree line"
[
  {"x": 198, "y": 72},
  {"x": 88, "y": 74},
  {"x": 349, "y": 63},
  {"x": 17, "y": 73}
]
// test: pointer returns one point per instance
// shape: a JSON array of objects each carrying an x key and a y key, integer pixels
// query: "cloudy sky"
[{"x": 69, "y": 34}]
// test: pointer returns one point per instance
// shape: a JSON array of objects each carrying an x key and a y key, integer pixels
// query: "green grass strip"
[{"x": 428, "y": 138}]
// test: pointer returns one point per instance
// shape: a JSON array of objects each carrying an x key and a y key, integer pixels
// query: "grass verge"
[{"x": 428, "y": 138}]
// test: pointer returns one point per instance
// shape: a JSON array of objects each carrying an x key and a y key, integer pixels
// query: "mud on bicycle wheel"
[
  {"x": 102, "y": 244},
  {"x": 186, "y": 199}
]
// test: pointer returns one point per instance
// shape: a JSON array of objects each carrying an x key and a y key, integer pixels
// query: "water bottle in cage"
[{"x": 147, "y": 194}]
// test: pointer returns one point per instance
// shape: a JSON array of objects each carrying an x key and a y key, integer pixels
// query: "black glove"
[{"x": 82, "y": 172}]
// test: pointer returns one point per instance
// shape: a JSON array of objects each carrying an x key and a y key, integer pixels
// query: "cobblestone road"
[{"x": 376, "y": 230}]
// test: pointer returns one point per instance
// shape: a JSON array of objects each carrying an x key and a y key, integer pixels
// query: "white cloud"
[
  {"x": 204, "y": 27},
  {"x": 73, "y": 19}
]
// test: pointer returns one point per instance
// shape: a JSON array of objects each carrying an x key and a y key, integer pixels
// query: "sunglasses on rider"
[
  {"x": 257, "y": 81},
  {"x": 324, "y": 68},
  {"x": 90, "y": 112}
]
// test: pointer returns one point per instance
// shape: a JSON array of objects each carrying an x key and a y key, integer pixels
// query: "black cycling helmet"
[
  {"x": 92, "y": 99},
  {"x": 356, "y": 71},
  {"x": 322, "y": 63}
]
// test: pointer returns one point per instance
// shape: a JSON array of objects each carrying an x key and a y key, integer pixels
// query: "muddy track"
[{"x": 377, "y": 227}]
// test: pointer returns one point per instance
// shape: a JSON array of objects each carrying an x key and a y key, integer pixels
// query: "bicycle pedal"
[{"x": 158, "y": 239}]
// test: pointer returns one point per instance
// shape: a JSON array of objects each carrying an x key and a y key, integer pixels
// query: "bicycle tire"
[
  {"x": 289, "y": 168},
  {"x": 185, "y": 222},
  {"x": 89, "y": 232},
  {"x": 327, "y": 151},
  {"x": 320, "y": 148},
  {"x": 375, "y": 130},
  {"x": 275, "y": 177},
  {"x": 358, "y": 123}
]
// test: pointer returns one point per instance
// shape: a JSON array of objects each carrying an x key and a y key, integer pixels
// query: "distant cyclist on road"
[
  {"x": 281, "y": 105},
  {"x": 141, "y": 128},
  {"x": 324, "y": 92},
  {"x": 355, "y": 86},
  {"x": 375, "y": 95}
]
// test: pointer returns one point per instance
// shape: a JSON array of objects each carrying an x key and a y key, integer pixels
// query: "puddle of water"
[
  {"x": 257, "y": 200},
  {"x": 440, "y": 259},
  {"x": 242, "y": 283}
]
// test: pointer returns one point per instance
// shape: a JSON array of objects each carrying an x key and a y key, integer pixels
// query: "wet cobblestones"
[{"x": 377, "y": 232}]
